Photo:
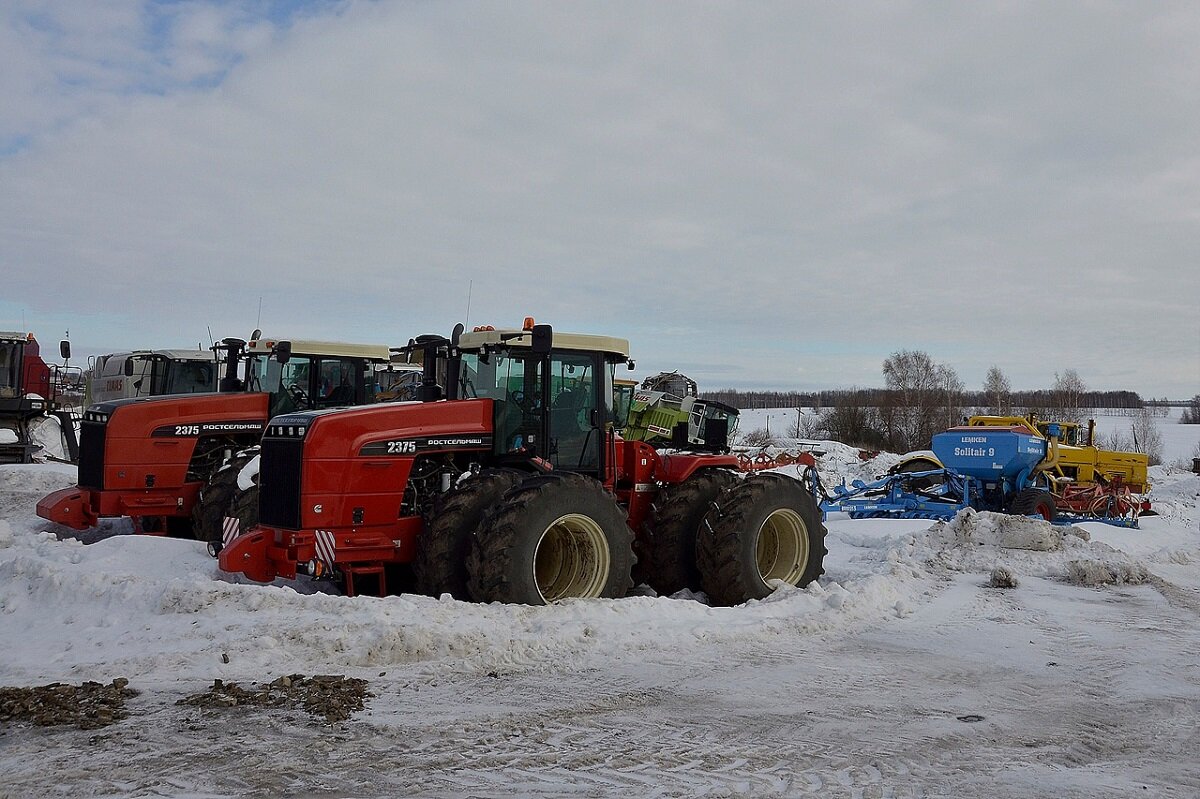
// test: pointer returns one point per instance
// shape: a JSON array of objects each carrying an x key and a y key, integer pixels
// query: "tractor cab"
[
  {"x": 623, "y": 391},
  {"x": 313, "y": 375},
  {"x": 150, "y": 373},
  {"x": 553, "y": 394}
]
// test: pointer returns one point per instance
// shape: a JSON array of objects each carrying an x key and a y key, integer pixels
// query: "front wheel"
[
  {"x": 765, "y": 529},
  {"x": 217, "y": 498},
  {"x": 440, "y": 565},
  {"x": 555, "y": 536}
]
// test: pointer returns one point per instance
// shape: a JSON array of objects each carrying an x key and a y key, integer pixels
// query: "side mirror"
[
  {"x": 129, "y": 367},
  {"x": 64, "y": 349},
  {"x": 541, "y": 339},
  {"x": 630, "y": 365},
  {"x": 283, "y": 351}
]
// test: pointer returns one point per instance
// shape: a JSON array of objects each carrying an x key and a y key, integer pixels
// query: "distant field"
[{"x": 1179, "y": 440}]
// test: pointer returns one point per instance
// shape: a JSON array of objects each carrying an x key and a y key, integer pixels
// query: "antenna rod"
[
  {"x": 470, "y": 285},
  {"x": 258, "y": 322}
]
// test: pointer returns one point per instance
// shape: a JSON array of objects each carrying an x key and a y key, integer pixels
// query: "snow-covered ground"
[{"x": 902, "y": 673}]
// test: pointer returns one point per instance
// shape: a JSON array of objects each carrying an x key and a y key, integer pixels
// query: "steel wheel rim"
[
  {"x": 571, "y": 559},
  {"x": 782, "y": 547}
]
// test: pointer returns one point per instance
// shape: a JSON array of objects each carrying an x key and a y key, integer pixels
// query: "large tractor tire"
[
  {"x": 921, "y": 465},
  {"x": 1034, "y": 502},
  {"x": 766, "y": 528},
  {"x": 555, "y": 536},
  {"x": 216, "y": 497},
  {"x": 440, "y": 564},
  {"x": 667, "y": 547},
  {"x": 245, "y": 507}
]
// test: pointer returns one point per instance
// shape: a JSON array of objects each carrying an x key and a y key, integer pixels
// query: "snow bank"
[
  {"x": 160, "y": 609},
  {"x": 982, "y": 542}
]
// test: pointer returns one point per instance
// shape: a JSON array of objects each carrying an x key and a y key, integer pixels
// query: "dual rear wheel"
[{"x": 548, "y": 537}]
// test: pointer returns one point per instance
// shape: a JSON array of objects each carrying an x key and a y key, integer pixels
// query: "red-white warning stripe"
[
  {"x": 326, "y": 546},
  {"x": 230, "y": 529}
]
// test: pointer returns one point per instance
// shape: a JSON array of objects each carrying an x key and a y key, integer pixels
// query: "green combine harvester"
[{"x": 666, "y": 411}]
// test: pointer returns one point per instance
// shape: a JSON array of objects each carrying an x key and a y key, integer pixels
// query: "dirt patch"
[
  {"x": 1002, "y": 577},
  {"x": 1002, "y": 531},
  {"x": 333, "y": 696},
  {"x": 1094, "y": 572},
  {"x": 87, "y": 706}
]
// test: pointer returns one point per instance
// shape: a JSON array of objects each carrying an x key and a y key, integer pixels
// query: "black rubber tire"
[
  {"x": 216, "y": 497},
  {"x": 440, "y": 563},
  {"x": 503, "y": 565},
  {"x": 245, "y": 508},
  {"x": 666, "y": 548},
  {"x": 1034, "y": 501},
  {"x": 727, "y": 550},
  {"x": 921, "y": 465}
]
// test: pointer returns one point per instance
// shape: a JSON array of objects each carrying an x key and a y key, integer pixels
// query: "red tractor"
[
  {"x": 172, "y": 463},
  {"x": 30, "y": 389},
  {"x": 516, "y": 488}
]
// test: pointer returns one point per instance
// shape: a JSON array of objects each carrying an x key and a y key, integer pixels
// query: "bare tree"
[
  {"x": 807, "y": 425},
  {"x": 951, "y": 388},
  {"x": 1067, "y": 395},
  {"x": 758, "y": 438},
  {"x": 1118, "y": 441},
  {"x": 998, "y": 390},
  {"x": 923, "y": 398},
  {"x": 1191, "y": 414},
  {"x": 1146, "y": 437},
  {"x": 851, "y": 422}
]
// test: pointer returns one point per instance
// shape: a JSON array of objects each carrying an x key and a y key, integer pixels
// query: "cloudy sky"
[{"x": 762, "y": 195}]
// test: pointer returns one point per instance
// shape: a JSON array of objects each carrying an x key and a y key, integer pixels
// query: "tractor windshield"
[
  {"x": 311, "y": 382},
  {"x": 10, "y": 368},
  {"x": 191, "y": 377},
  {"x": 622, "y": 400},
  {"x": 287, "y": 383},
  {"x": 515, "y": 384}
]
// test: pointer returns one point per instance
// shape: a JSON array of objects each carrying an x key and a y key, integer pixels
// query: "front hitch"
[
  {"x": 70, "y": 507},
  {"x": 247, "y": 554}
]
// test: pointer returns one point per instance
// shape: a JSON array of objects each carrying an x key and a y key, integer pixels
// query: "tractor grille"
[
  {"x": 92, "y": 437},
  {"x": 279, "y": 482}
]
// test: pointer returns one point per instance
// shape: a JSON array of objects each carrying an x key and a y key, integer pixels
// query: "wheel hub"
[
  {"x": 782, "y": 548},
  {"x": 571, "y": 559}
]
